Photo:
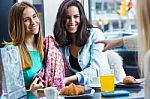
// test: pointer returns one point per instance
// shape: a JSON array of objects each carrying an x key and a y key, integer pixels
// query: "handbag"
[{"x": 12, "y": 80}]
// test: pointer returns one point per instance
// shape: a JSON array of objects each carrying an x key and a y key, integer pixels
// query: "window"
[{"x": 108, "y": 12}]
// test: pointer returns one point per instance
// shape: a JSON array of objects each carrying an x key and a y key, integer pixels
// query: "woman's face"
[
  {"x": 31, "y": 21},
  {"x": 73, "y": 19}
]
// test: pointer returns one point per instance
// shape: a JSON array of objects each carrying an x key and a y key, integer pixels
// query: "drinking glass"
[{"x": 107, "y": 81}]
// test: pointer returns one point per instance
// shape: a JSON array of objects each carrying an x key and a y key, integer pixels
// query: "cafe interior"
[{"x": 115, "y": 18}]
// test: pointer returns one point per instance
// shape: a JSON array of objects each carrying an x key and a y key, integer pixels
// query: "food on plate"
[
  {"x": 129, "y": 79},
  {"x": 72, "y": 89}
]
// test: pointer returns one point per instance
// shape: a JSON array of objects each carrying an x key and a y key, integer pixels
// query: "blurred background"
[{"x": 116, "y": 18}]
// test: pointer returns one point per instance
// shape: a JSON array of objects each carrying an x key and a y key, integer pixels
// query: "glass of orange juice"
[{"x": 107, "y": 81}]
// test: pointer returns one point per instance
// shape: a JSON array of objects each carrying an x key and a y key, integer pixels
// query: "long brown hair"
[
  {"x": 17, "y": 32},
  {"x": 60, "y": 33}
]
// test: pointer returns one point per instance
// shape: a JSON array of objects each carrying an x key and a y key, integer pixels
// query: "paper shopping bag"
[{"x": 12, "y": 85}]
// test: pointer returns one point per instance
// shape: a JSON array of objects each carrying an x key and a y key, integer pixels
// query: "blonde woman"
[
  {"x": 143, "y": 20},
  {"x": 25, "y": 32}
]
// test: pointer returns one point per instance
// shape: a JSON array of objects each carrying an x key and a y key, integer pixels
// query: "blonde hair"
[
  {"x": 143, "y": 20},
  {"x": 17, "y": 32}
]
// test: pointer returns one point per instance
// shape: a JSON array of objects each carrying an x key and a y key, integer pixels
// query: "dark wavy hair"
[{"x": 61, "y": 34}]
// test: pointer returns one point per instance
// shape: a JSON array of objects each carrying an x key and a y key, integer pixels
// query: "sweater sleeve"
[{"x": 130, "y": 42}]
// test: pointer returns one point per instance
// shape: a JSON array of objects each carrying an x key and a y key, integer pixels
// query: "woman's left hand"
[{"x": 35, "y": 85}]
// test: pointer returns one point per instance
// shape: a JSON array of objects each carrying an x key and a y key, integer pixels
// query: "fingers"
[
  {"x": 102, "y": 41},
  {"x": 32, "y": 86},
  {"x": 35, "y": 85},
  {"x": 65, "y": 80},
  {"x": 35, "y": 81},
  {"x": 106, "y": 45},
  {"x": 41, "y": 84},
  {"x": 105, "y": 49}
]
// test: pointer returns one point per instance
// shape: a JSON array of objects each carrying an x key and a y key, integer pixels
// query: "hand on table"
[{"x": 70, "y": 79}]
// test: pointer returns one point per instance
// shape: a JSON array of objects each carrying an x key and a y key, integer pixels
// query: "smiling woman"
[
  {"x": 25, "y": 32},
  {"x": 72, "y": 19},
  {"x": 31, "y": 21},
  {"x": 77, "y": 43},
  {"x": 40, "y": 68}
]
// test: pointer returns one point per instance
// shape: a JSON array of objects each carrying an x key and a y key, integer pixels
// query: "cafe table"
[{"x": 136, "y": 92}]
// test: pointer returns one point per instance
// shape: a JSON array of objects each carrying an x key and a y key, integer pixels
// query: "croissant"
[
  {"x": 72, "y": 89},
  {"x": 129, "y": 79}
]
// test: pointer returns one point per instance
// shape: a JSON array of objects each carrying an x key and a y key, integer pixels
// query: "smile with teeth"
[
  {"x": 33, "y": 28},
  {"x": 72, "y": 26}
]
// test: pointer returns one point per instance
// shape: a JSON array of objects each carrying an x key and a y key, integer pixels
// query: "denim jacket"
[{"x": 90, "y": 58}]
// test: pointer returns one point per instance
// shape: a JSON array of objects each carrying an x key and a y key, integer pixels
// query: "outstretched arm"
[
  {"x": 108, "y": 44},
  {"x": 128, "y": 41}
]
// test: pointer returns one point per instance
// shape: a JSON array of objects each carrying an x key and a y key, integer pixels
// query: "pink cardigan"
[{"x": 53, "y": 72}]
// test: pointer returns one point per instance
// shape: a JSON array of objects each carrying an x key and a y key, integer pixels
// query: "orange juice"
[{"x": 107, "y": 82}]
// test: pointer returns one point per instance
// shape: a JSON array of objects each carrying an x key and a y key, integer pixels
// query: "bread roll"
[
  {"x": 72, "y": 89},
  {"x": 129, "y": 79}
]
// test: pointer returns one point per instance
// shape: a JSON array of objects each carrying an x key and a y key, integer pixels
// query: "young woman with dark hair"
[{"x": 76, "y": 36}]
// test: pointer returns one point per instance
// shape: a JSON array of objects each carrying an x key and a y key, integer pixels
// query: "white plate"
[
  {"x": 95, "y": 87},
  {"x": 88, "y": 93}
]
